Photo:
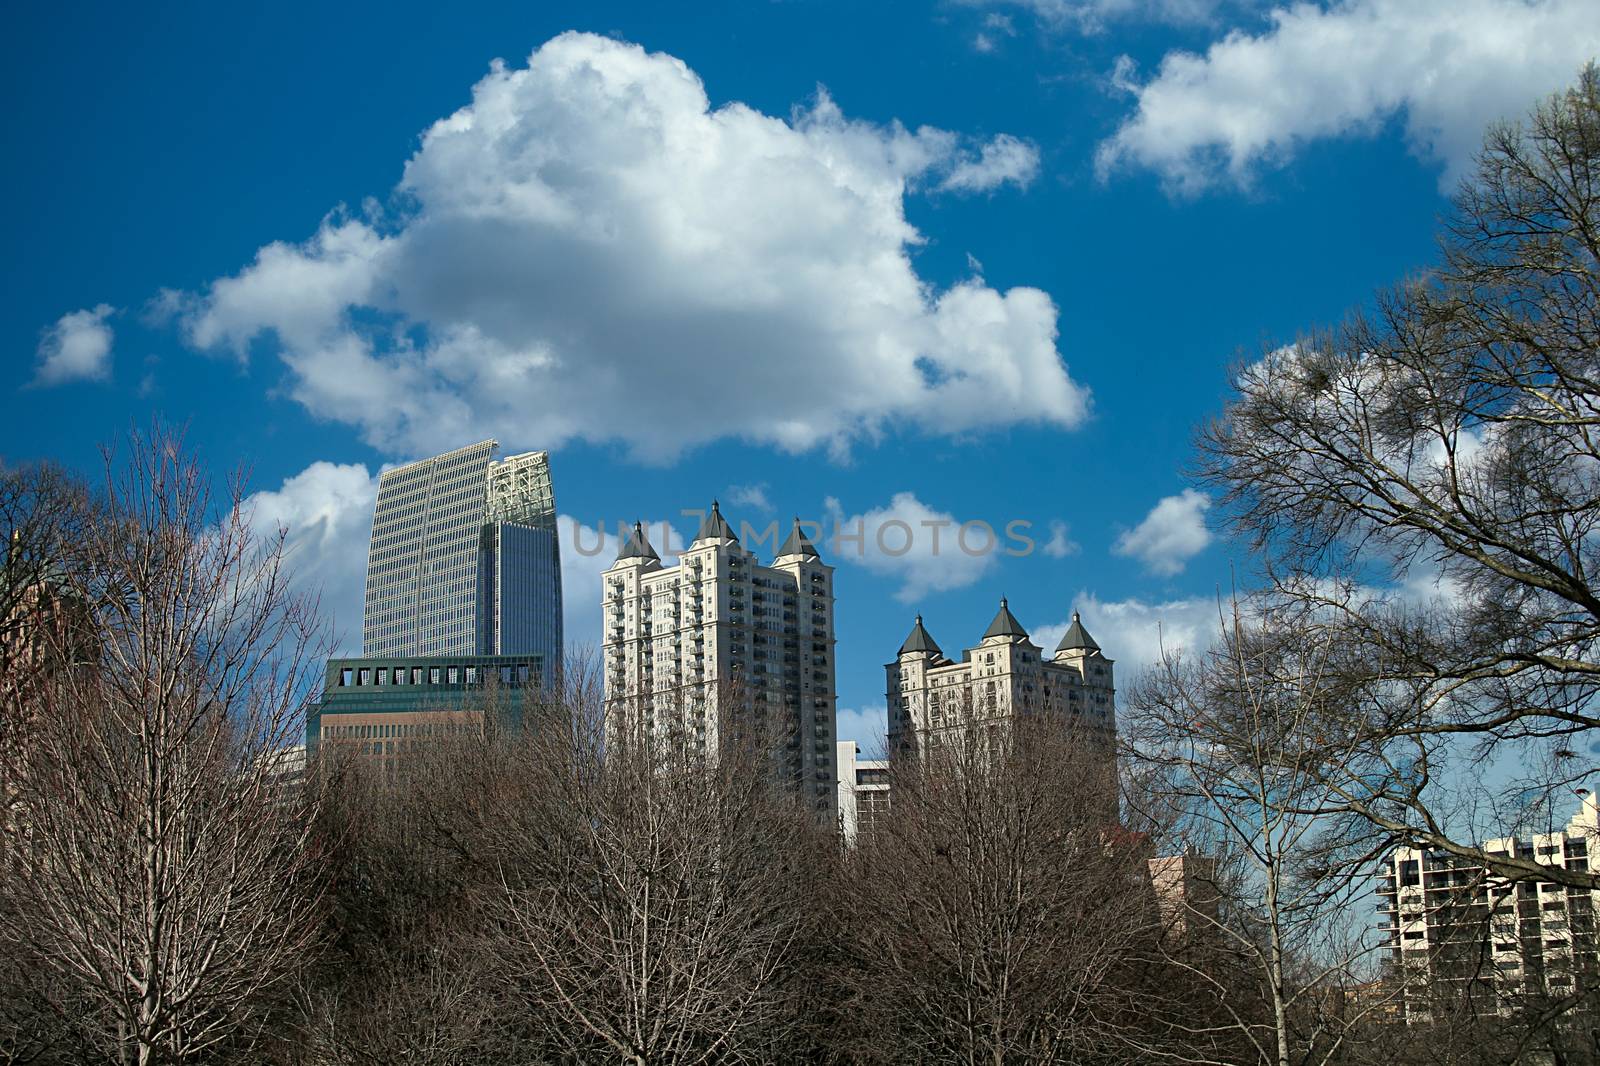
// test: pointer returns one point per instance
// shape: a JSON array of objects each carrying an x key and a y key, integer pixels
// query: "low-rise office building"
[{"x": 380, "y": 708}]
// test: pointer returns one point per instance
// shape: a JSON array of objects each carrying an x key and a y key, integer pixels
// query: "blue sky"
[{"x": 972, "y": 260}]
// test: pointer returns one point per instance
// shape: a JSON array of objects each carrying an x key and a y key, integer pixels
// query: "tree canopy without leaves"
[
  {"x": 1000, "y": 913},
  {"x": 160, "y": 876},
  {"x": 1450, "y": 442}
]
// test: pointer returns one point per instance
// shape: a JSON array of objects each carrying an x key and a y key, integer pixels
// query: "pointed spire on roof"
[
  {"x": 1005, "y": 624},
  {"x": 715, "y": 527},
  {"x": 637, "y": 546},
  {"x": 798, "y": 543},
  {"x": 920, "y": 640},
  {"x": 1076, "y": 638}
]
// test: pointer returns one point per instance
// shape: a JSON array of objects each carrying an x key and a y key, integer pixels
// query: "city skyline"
[
  {"x": 981, "y": 530},
  {"x": 1018, "y": 289}
]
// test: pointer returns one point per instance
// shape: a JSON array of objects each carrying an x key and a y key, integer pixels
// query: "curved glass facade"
[{"x": 464, "y": 558}]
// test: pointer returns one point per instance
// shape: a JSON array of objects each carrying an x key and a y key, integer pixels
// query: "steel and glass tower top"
[{"x": 464, "y": 558}]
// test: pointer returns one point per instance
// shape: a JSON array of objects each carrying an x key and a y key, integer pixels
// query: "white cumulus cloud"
[
  {"x": 326, "y": 512},
  {"x": 908, "y": 541},
  {"x": 1137, "y": 633},
  {"x": 1060, "y": 545},
  {"x": 76, "y": 348},
  {"x": 867, "y": 726},
  {"x": 1446, "y": 67},
  {"x": 1171, "y": 534},
  {"x": 589, "y": 250},
  {"x": 1006, "y": 159},
  {"x": 750, "y": 496}
]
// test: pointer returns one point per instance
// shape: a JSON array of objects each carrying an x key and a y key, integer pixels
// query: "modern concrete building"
[
  {"x": 720, "y": 638},
  {"x": 1455, "y": 935},
  {"x": 463, "y": 605},
  {"x": 381, "y": 708},
  {"x": 934, "y": 700},
  {"x": 464, "y": 558},
  {"x": 863, "y": 791}
]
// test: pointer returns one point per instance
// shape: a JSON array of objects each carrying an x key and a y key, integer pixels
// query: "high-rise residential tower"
[
  {"x": 719, "y": 637},
  {"x": 1458, "y": 936},
  {"x": 465, "y": 559}
]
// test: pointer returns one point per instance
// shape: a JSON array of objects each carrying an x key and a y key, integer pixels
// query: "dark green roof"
[
  {"x": 920, "y": 640},
  {"x": 1077, "y": 638},
  {"x": 715, "y": 527},
  {"x": 1005, "y": 624},
  {"x": 798, "y": 543},
  {"x": 637, "y": 546}
]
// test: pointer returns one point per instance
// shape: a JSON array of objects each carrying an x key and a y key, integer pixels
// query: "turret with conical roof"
[
  {"x": 637, "y": 546},
  {"x": 798, "y": 543},
  {"x": 1080, "y": 652},
  {"x": 1005, "y": 625},
  {"x": 920, "y": 641},
  {"x": 1076, "y": 638},
  {"x": 715, "y": 527}
]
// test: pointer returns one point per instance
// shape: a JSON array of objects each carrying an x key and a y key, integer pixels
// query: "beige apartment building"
[
  {"x": 935, "y": 700},
  {"x": 720, "y": 637},
  {"x": 1455, "y": 935},
  {"x": 863, "y": 791}
]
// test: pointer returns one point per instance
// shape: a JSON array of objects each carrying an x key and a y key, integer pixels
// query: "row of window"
[
  {"x": 514, "y": 675},
  {"x": 392, "y": 730}
]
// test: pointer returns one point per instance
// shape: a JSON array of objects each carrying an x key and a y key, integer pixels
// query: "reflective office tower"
[
  {"x": 465, "y": 558},
  {"x": 689, "y": 647}
]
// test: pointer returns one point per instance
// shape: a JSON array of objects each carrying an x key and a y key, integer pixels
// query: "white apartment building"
[
  {"x": 934, "y": 700},
  {"x": 720, "y": 635},
  {"x": 1456, "y": 934},
  {"x": 863, "y": 791}
]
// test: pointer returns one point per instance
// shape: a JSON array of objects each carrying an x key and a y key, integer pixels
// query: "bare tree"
[
  {"x": 43, "y": 513},
  {"x": 998, "y": 913},
  {"x": 656, "y": 900},
  {"x": 1242, "y": 748},
  {"x": 411, "y": 973},
  {"x": 1448, "y": 440},
  {"x": 162, "y": 888}
]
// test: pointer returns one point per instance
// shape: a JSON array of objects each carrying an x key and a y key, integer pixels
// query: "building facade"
[
  {"x": 719, "y": 638},
  {"x": 465, "y": 559},
  {"x": 863, "y": 791},
  {"x": 1188, "y": 901},
  {"x": 378, "y": 709},
  {"x": 935, "y": 701},
  {"x": 1457, "y": 936}
]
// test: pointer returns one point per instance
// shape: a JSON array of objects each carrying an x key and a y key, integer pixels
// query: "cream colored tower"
[
  {"x": 933, "y": 700},
  {"x": 719, "y": 639}
]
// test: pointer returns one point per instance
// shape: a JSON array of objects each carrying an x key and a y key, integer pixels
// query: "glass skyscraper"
[{"x": 465, "y": 559}]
